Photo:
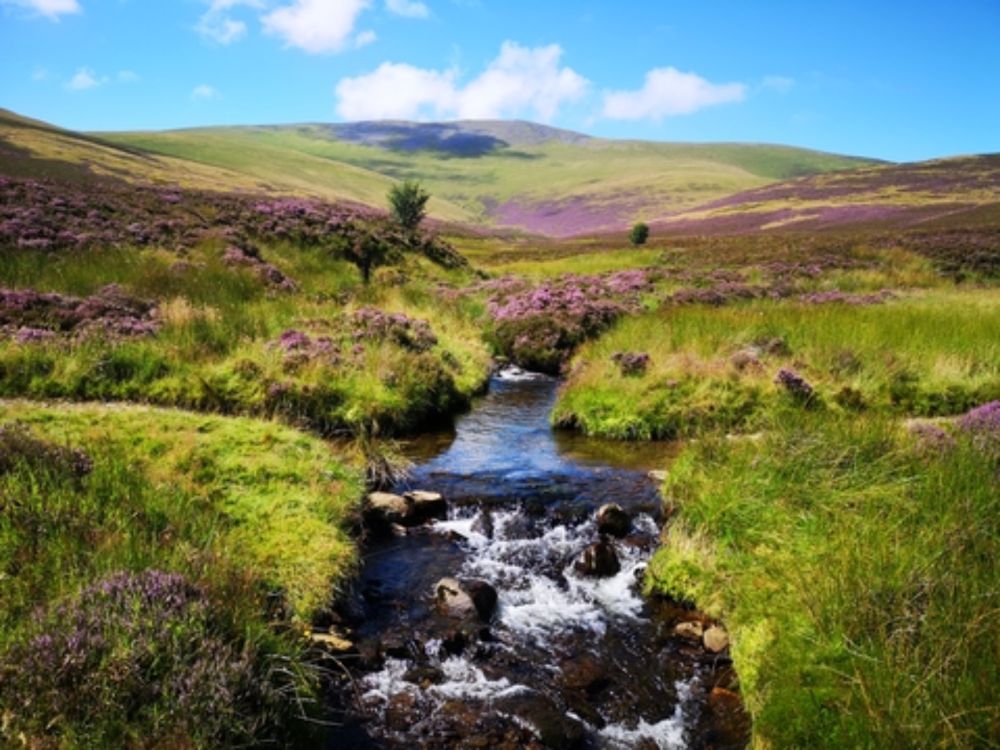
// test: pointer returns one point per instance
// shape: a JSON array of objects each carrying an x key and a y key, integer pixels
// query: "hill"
[
  {"x": 508, "y": 174},
  {"x": 961, "y": 191}
]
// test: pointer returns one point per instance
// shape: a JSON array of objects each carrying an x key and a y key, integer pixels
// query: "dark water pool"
[{"x": 567, "y": 660}]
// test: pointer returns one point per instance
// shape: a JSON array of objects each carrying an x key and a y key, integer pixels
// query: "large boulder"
[
  {"x": 613, "y": 520},
  {"x": 465, "y": 599},
  {"x": 425, "y": 505},
  {"x": 598, "y": 560},
  {"x": 383, "y": 510}
]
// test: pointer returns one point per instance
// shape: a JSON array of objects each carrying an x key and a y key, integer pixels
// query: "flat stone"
[
  {"x": 692, "y": 630},
  {"x": 331, "y": 642}
]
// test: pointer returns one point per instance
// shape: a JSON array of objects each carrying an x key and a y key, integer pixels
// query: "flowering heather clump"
[
  {"x": 134, "y": 651},
  {"x": 19, "y": 446},
  {"x": 371, "y": 324},
  {"x": 538, "y": 327},
  {"x": 270, "y": 275},
  {"x": 846, "y": 298},
  {"x": 726, "y": 292},
  {"x": 299, "y": 347},
  {"x": 795, "y": 385},
  {"x": 982, "y": 424},
  {"x": 631, "y": 363},
  {"x": 29, "y": 316},
  {"x": 930, "y": 438},
  {"x": 51, "y": 216}
]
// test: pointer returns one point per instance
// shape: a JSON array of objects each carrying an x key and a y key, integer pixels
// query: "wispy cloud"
[
  {"x": 217, "y": 23},
  {"x": 316, "y": 26},
  {"x": 128, "y": 76},
  {"x": 408, "y": 8},
  {"x": 51, "y": 9},
  {"x": 780, "y": 84},
  {"x": 204, "y": 92},
  {"x": 365, "y": 38},
  {"x": 521, "y": 80},
  {"x": 668, "y": 92},
  {"x": 85, "y": 79}
]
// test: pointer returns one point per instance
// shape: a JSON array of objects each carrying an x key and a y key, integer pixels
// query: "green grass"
[
  {"x": 856, "y": 573},
  {"x": 214, "y": 351},
  {"x": 932, "y": 352},
  {"x": 253, "y": 513},
  {"x": 259, "y": 497}
]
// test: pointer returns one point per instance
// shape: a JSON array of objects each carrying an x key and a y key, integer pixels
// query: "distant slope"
[
  {"x": 510, "y": 174},
  {"x": 961, "y": 190}
]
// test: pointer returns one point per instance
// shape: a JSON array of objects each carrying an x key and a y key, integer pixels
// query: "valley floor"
[{"x": 172, "y": 520}]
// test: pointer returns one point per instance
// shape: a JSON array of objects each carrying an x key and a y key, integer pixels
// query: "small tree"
[
  {"x": 368, "y": 251},
  {"x": 408, "y": 203},
  {"x": 639, "y": 234}
]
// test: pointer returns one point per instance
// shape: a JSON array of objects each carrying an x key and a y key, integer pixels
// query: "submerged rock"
[
  {"x": 599, "y": 560},
  {"x": 613, "y": 520},
  {"x": 464, "y": 599},
  {"x": 553, "y": 727}
]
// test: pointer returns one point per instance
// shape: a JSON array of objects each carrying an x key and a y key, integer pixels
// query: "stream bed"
[{"x": 565, "y": 659}]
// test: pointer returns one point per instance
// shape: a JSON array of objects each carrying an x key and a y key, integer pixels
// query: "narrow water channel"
[{"x": 566, "y": 660}]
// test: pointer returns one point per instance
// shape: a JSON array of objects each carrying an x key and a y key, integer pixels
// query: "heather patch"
[
  {"x": 28, "y": 316},
  {"x": 982, "y": 424},
  {"x": 138, "y": 650},
  {"x": 539, "y": 327},
  {"x": 18, "y": 446}
]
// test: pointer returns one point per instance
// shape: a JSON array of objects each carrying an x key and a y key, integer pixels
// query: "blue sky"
[{"x": 895, "y": 80}]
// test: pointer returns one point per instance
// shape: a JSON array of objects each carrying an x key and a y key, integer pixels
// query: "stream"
[{"x": 566, "y": 659}]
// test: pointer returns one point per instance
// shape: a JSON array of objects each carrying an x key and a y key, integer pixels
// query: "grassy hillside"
[
  {"x": 946, "y": 192},
  {"x": 557, "y": 185}
]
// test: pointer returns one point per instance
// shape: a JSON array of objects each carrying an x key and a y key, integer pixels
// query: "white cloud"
[
  {"x": 520, "y": 80},
  {"x": 128, "y": 76},
  {"x": 84, "y": 79},
  {"x": 219, "y": 26},
  {"x": 668, "y": 92},
  {"x": 364, "y": 39},
  {"x": 781, "y": 84},
  {"x": 204, "y": 92},
  {"x": 396, "y": 91},
  {"x": 408, "y": 8},
  {"x": 315, "y": 25},
  {"x": 51, "y": 9}
]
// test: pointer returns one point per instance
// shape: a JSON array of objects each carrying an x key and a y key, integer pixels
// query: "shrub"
[
  {"x": 408, "y": 204},
  {"x": 639, "y": 234}
]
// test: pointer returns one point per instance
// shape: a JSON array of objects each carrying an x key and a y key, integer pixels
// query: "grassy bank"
[
  {"x": 926, "y": 353},
  {"x": 856, "y": 567},
  {"x": 161, "y": 571},
  {"x": 218, "y": 344}
]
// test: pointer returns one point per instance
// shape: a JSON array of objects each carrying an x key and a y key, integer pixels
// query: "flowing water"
[{"x": 567, "y": 660}]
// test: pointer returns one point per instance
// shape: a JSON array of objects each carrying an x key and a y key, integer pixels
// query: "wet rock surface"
[{"x": 483, "y": 630}]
